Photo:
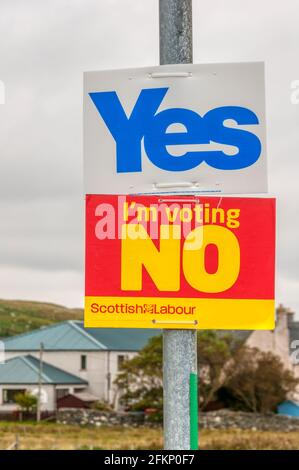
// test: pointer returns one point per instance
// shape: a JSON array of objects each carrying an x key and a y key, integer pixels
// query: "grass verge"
[{"x": 51, "y": 436}]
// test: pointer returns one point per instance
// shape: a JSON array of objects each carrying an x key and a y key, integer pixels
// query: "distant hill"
[{"x": 19, "y": 316}]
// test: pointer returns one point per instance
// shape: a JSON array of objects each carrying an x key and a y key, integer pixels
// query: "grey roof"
[
  {"x": 25, "y": 370},
  {"x": 122, "y": 339},
  {"x": 72, "y": 336}
]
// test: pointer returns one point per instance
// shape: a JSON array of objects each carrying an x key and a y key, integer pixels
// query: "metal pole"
[
  {"x": 175, "y": 31},
  {"x": 179, "y": 346}
]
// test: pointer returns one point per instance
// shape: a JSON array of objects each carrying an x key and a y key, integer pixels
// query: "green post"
[{"x": 193, "y": 412}]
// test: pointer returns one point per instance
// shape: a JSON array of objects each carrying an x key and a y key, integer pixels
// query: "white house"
[
  {"x": 74, "y": 360},
  {"x": 23, "y": 373}
]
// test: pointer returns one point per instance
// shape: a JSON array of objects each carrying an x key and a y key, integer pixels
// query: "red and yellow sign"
[{"x": 180, "y": 262}]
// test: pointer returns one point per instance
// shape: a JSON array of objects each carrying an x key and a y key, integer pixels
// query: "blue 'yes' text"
[{"x": 148, "y": 124}]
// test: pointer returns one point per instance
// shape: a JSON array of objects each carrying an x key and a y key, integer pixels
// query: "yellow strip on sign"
[{"x": 178, "y": 313}]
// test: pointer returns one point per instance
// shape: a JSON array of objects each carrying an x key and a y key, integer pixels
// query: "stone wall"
[
  {"x": 99, "y": 418},
  {"x": 223, "y": 419}
]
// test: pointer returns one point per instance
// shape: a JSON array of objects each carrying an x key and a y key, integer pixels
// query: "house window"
[
  {"x": 83, "y": 362},
  {"x": 120, "y": 360},
  {"x": 61, "y": 392},
  {"x": 9, "y": 395}
]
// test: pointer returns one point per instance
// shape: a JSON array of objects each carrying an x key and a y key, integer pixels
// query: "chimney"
[{"x": 284, "y": 317}]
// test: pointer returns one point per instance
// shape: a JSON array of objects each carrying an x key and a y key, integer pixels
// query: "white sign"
[{"x": 175, "y": 128}]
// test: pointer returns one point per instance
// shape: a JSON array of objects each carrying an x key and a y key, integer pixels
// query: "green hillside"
[{"x": 19, "y": 316}]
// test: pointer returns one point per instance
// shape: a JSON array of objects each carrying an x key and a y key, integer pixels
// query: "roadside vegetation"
[
  {"x": 231, "y": 376},
  {"x": 51, "y": 436}
]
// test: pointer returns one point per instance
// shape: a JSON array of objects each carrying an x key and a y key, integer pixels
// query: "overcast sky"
[{"x": 44, "y": 48}]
